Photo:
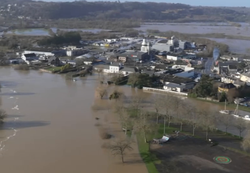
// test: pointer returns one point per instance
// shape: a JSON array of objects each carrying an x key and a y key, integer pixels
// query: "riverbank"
[{"x": 108, "y": 122}]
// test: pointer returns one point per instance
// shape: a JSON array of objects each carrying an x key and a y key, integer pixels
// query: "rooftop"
[
  {"x": 174, "y": 71},
  {"x": 227, "y": 85},
  {"x": 176, "y": 79}
]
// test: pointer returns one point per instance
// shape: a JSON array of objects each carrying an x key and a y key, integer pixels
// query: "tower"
[{"x": 144, "y": 46}]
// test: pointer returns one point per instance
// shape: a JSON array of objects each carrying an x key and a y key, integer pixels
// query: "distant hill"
[{"x": 147, "y": 11}]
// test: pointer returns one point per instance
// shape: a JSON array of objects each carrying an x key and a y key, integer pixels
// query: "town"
[{"x": 171, "y": 65}]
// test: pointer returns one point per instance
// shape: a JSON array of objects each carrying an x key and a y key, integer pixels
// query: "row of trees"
[
  {"x": 72, "y": 38},
  {"x": 173, "y": 110},
  {"x": 207, "y": 87},
  {"x": 138, "y": 115},
  {"x": 112, "y": 10}
]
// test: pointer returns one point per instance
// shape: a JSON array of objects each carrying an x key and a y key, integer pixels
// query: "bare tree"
[
  {"x": 226, "y": 121},
  {"x": 102, "y": 91},
  {"x": 135, "y": 106},
  {"x": 178, "y": 109},
  {"x": 193, "y": 116},
  {"x": 2, "y": 115},
  {"x": 167, "y": 106},
  {"x": 157, "y": 103},
  {"x": 143, "y": 126},
  {"x": 207, "y": 120},
  {"x": 126, "y": 120},
  {"x": 116, "y": 95},
  {"x": 241, "y": 125},
  {"x": 246, "y": 142},
  {"x": 119, "y": 147}
]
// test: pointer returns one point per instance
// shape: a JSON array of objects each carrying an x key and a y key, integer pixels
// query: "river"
[{"x": 50, "y": 126}]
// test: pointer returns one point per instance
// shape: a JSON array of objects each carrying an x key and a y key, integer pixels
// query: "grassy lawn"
[{"x": 149, "y": 158}]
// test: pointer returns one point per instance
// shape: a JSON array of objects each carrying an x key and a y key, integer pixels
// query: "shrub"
[{"x": 22, "y": 67}]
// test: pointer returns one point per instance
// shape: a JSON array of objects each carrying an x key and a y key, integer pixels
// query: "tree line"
[
  {"x": 143, "y": 116},
  {"x": 136, "y": 10}
]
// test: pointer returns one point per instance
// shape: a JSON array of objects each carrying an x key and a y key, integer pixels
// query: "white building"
[
  {"x": 172, "y": 58},
  {"x": 187, "y": 73},
  {"x": 145, "y": 46},
  {"x": 178, "y": 84},
  {"x": 38, "y": 53}
]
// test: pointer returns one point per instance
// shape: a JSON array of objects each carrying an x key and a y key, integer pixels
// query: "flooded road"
[{"x": 50, "y": 126}]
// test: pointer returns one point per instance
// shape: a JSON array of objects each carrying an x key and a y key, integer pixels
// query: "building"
[
  {"x": 172, "y": 58},
  {"x": 145, "y": 46},
  {"x": 29, "y": 57},
  {"x": 245, "y": 77},
  {"x": 112, "y": 68},
  {"x": 226, "y": 87},
  {"x": 179, "y": 71},
  {"x": 37, "y": 53},
  {"x": 163, "y": 46},
  {"x": 226, "y": 68},
  {"x": 74, "y": 51},
  {"x": 134, "y": 56},
  {"x": 177, "y": 84}
]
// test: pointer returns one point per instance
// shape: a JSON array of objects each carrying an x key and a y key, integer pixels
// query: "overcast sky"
[{"x": 232, "y": 3}]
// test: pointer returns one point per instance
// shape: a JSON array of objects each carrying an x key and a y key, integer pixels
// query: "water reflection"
[
  {"x": 24, "y": 72},
  {"x": 9, "y": 125}
]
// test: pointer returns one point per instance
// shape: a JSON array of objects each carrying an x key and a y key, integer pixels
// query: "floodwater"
[
  {"x": 235, "y": 45},
  {"x": 30, "y": 32},
  {"x": 51, "y": 127},
  {"x": 199, "y": 28},
  {"x": 45, "y": 32}
]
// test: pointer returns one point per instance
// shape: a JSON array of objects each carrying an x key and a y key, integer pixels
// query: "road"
[{"x": 208, "y": 66}]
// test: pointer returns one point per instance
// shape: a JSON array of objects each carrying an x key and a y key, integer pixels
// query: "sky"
[{"x": 232, "y": 3}]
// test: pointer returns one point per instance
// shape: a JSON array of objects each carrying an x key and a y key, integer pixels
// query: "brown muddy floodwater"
[{"x": 51, "y": 128}]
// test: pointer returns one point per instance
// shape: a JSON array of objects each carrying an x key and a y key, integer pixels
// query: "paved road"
[{"x": 208, "y": 66}]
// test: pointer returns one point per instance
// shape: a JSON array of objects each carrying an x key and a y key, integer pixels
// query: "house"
[
  {"x": 54, "y": 61},
  {"x": 245, "y": 77},
  {"x": 38, "y": 53},
  {"x": 163, "y": 46},
  {"x": 172, "y": 58},
  {"x": 87, "y": 59},
  {"x": 28, "y": 58},
  {"x": 74, "y": 51},
  {"x": 179, "y": 71},
  {"x": 127, "y": 70},
  {"x": 226, "y": 87},
  {"x": 226, "y": 68},
  {"x": 227, "y": 79},
  {"x": 229, "y": 58},
  {"x": 188, "y": 72},
  {"x": 112, "y": 68},
  {"x": 177, "y": 84},
  {"x": 134, "y": 56}
]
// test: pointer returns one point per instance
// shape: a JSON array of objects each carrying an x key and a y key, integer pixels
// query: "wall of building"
[{"x": 39, "y": 53}]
